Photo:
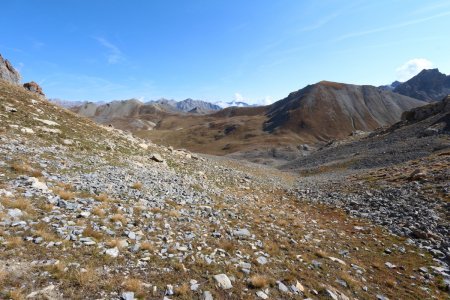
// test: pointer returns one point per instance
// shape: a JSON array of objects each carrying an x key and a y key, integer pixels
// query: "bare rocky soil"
[{"x": 89, "y": 212}]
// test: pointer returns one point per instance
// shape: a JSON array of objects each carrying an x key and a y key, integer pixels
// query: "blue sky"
[{"x": 256, "y": 51}]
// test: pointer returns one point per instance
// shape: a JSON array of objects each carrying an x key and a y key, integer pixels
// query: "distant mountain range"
[
  {"x": 429, "y": 85},
  {"x": 188, "y": 105},
  {"x": 234, "y": 104}
]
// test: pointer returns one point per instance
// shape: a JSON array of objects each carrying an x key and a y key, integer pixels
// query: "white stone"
[
  {"x": 242, "y": 233},
  {"x": 113, "y": 252},
  {"x": 15, "y": 213},
  {"x": 207, "y": 295},
  {"x": 223, "y": 281},
  {"x": 47, "y": 122},
  {"x": 26, "y": 130},
  {"x": 261, "y": 260},
  {"x": 337, "y": 260},
  {"x": 49, "y": 130},
  {"x": 143, "y": 146},
  {"x": 85, "y": 214},
  {"x": 262, "y": 295},
  {"x": 36, "y": 184}
]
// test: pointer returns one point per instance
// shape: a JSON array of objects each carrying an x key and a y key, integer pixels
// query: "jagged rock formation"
[
  {"x": 7, "y": 72},
  {"x": 427, "y": 111},
  {"x": 34, "y": 87},
  {"x": 428, "y": 85}
]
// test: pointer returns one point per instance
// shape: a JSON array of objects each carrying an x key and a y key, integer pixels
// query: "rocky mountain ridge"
[{"x": 428, "y": 85}]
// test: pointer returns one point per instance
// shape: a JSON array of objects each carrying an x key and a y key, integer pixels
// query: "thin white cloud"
[
  {"x": 320, "y": 22},
  {"x": 238, "y": 97},
  {"x": 267, "y": 100},
  {"x": 390, "y": 27},
  {"x": 429, "y": 8},
  {"x": 412, "y": 67},
  {"x": 114, "y": 55}
]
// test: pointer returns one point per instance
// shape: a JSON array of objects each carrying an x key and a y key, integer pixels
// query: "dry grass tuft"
[
  {"x": 320, "y": 254},
  {"x": 102, "y": 197},
  {"x": 65, "y": 194},
  {"x": 137, "y": 185},
  {"x": 134, "y": 285},
  {"x": 23, "y": 168},
  {"x": 14, "y": 242},
  {"x": 47, "y": 207},
  {"x": 20, "y": 203},
  {"x": 174, "y": 214},
  {"x": 272, "y": 248},
  {"x": 147, "y": 246},
  {"x": 259, "y": 281},
  {"x": 46, "y": 235},
  {"x": 16, "y": 294},
  {"x": 227, "y": 245},
  {"x": 87, "y": 278},
  {"x": 98, "y": 211},
  {"x": 119, "y": 218},
  {"x": 183, "y": 290},
  {"x": 65, "y": 186},
  {"x": 89, "y": 231},
  {"x": 3, "y": 276},
  {"x": 114, "y": 243}
]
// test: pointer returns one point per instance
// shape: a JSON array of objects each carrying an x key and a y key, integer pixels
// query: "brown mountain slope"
[
  {"x": 329, "y": 110},
  {"x": 317, "y": 113}
]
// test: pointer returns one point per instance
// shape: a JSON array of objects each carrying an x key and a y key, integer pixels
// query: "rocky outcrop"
[
  {"x": 34, "y": 87},
  {"x": 423, "y": 112},
  {"x": 7, "y": 72},
  {"x": 428, "y": 85}
]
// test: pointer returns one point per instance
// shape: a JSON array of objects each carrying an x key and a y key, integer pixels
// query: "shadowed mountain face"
[
  {"x": 428, "y": 85},
  {"x": 331, "y": 110}
]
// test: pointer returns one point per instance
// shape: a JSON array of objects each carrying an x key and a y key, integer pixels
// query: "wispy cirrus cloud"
[
  {"x": 320, "y": 22},
  {"x": 114, "y": 54},
  {"x": 390, "y": 27}
]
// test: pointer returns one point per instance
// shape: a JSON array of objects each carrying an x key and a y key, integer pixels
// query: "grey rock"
[
  {"x": 282, "y": 287},
  {"x": 207, "y": 295},
  {"x": 113, "y": 252},
  {"x": 15, "y": 213},
  {"x": 262, "y": 295},
  {"x": 127, "y": 296},
  {"x": 261, "y": 260},
  {"x": 156, "y": 157},
  {"x": 242, "y": 233},
  {"x": 223, "y": 281}
]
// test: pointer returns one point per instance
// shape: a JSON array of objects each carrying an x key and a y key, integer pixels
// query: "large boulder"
[
  {"x": 7, "y": 72},
  {"x": 34, "y": 87}
]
